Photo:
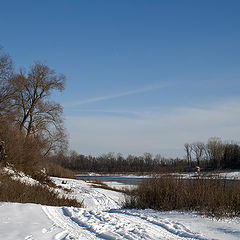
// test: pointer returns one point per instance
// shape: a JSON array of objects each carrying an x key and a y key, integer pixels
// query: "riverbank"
[
  {"x": 227, "y": 174},
  {"x": 102, "y": 217}
]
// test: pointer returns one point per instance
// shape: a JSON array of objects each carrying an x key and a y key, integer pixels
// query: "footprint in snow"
[{"x": 30, "y": 237}]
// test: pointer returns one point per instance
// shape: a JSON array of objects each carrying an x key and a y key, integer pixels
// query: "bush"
[
  {"x": 15, "y": 191},
  {"x": 212, "y": 197},
  {"x": 25, "y": 154},
  {"x": 55, "y": 170}
]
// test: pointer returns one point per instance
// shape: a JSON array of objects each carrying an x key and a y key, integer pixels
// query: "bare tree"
[
  {"x": 198, "y": 150},
  {"x": 37, "y": 115},
  {"x": 215, "y": 149},
  {"x": 6, "y": 73},
  {"x": 188, "y": 149}
]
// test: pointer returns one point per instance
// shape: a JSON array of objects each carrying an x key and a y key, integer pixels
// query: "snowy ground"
[
  {"x": 103, "y": 218},
  {"x": 233, "y": 175}
]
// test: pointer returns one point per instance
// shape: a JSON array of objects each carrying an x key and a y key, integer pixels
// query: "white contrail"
[{"x": 117, "y": 95}]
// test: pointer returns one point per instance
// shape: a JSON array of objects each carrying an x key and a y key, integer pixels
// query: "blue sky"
[{"x": 142, "y": 76}]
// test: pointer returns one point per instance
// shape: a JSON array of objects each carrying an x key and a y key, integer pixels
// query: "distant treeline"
[
  {"x": 213, "y": 155},
  {"x": 113, "y": 163}
]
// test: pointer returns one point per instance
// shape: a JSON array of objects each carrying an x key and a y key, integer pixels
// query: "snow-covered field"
[
  {"x": 103, "y": 218},
  {"x": 233, "y": 175}
]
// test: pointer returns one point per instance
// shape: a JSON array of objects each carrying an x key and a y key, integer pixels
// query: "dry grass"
[
  {"x": 55, "y": 170},
  {"x": 15, "y": 191},
  {"x": 212, "y": 197},
  {"x": 98, "y": 183}
]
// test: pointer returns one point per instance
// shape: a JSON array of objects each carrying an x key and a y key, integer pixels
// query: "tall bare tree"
[
  {"x": 6, "y": 73},
  {"x": 215, "y": 149},
  {"x": 188, "y": 149},
  {"x": 37, "y": 115},
  {"x": 198, "y": 149}
]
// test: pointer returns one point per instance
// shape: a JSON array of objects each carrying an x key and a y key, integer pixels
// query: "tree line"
[
  {"x": 116, "y": 163},
  {"x": 213, "y": 155}
]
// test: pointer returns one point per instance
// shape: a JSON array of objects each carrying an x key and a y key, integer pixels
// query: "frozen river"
[{"x": 128, "y": 180}]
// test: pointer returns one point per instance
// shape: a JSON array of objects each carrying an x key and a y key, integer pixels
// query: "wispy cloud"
[
  {"x": 156, "y": 132},
  {"x": 116, "y": 95},
  {"x": 109, "y": 111}
]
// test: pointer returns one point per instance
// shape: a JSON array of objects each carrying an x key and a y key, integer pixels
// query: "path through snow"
[
  {"x": 115, "y": 224},
  {"x": 103, "y": 218}
]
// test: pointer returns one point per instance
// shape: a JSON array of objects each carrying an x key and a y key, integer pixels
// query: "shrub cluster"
[
  {"x": 211, "y": 197},
  {"x": 24, "y": 154},
  {"x": 55, "y": 170},
  {"x": 15, "y": 191},
  {"x": 98, "y": 183}
]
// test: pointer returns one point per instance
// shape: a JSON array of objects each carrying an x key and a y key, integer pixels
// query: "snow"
[
  {"x": 103, "y": 218},
  {"x": 93, "y": 198},
  {"x": 233, "y": 175},
  {"x": 120, "y": 186},
  {"x": 19, "y": 176},
  {"x": 25, "y": 221}
]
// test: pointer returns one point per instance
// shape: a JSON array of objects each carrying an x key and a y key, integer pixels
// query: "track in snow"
[
  {"x": 115, "y": 224},
  {"x": 102, "y": 218}
]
